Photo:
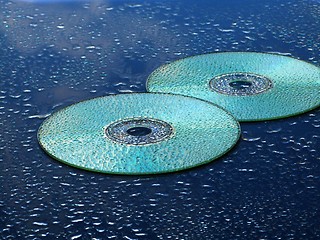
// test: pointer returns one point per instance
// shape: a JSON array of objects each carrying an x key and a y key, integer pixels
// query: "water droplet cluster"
[{"x": 51, "y": 57}]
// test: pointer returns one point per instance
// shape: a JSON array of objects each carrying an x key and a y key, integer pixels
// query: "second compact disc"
[{"x": 251, "y": 86}]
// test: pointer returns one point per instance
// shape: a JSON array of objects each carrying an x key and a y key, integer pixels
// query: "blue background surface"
[{"x": 53, "y": 55}]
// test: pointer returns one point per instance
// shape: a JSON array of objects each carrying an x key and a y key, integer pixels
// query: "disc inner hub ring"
[
  {"x": 240, "y": 84},
  {"x": 139, "y": 131}
]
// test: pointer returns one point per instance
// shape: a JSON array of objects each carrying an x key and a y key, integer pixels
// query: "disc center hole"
[
  {"x": 139, "y": 131},
  {"x": 240, "y": 84}
]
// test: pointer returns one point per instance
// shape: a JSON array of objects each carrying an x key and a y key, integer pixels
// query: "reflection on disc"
[
  {"x": 251, "y": 86},
  {"x": 140, "y": 133}
]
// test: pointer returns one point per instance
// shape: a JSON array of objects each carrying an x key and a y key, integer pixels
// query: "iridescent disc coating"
[
  {"x": 251, "y": 86},
  {"x": 141, "y": 133}
]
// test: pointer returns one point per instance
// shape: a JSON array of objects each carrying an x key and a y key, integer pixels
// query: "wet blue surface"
[{"x": 51, "y": 56}]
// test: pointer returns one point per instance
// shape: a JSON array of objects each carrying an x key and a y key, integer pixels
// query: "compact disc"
[
  {"x": 251, "y": 86},
  {"x": 140, "y": 133}
]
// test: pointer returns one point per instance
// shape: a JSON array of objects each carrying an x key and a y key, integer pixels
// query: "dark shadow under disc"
[
  {"x": 251, "y": 86},
  {"x": 139, "y": 133}
]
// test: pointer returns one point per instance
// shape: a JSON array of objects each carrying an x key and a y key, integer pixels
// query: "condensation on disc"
[
  {"x": 141, "y": 133},
  {"x": 251, "y": 86}
]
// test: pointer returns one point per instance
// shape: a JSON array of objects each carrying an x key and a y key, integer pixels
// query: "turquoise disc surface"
[
  {"x": 251, "y": 86},
  {"x": 141, "y": 133}
]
